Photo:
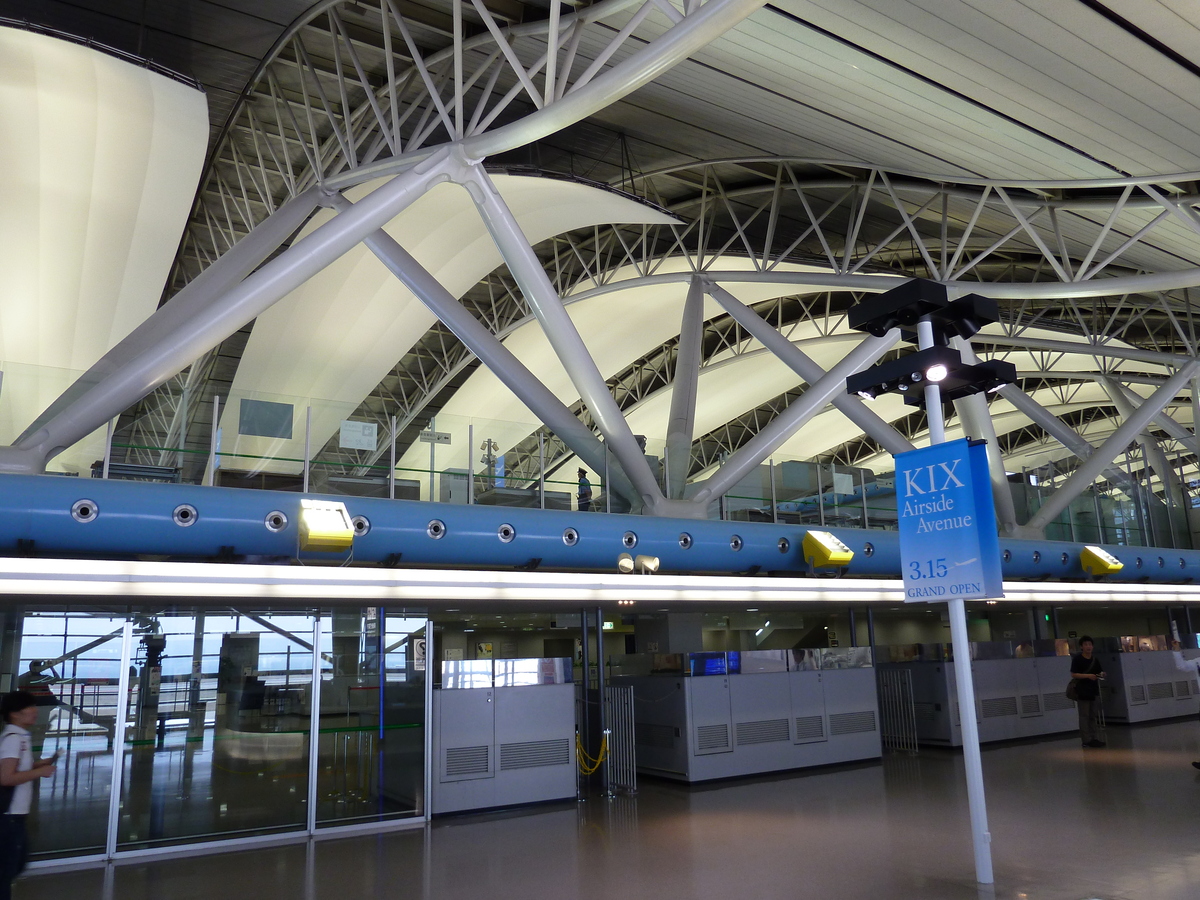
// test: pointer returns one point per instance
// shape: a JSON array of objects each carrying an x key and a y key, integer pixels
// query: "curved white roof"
[
  {"x": 329, "y": 343},
  {"x": 99, "y": 159}
]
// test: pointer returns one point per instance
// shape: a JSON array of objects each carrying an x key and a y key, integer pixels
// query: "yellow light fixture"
[
  {"x": 823, "y": 550},
  {"x": 325, "y": 526},
  {"x": 1097, "y": 561}
]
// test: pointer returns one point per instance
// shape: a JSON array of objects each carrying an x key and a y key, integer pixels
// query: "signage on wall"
[
  {"x": 418, "y": 651},
  {"x": 358, "y": 435},
  {"x": 949, "y": 548}
]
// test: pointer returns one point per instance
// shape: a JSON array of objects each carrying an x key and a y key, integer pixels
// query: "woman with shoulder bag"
[{"x": 1086, "y": 673}]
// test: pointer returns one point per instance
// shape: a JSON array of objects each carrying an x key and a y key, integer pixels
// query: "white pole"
[
  {"x": 933, "y": 392},
  {"x": 965, "y": 681},
  {"x": 314, "y": 726},
  {"x": 118, "y": 752},
  {"x": 432, "y": 458},
  {"x": 107, "y": 448},
  {"x": 470, "y": 466},
  {"x": 307, "y": 442},
  {"x": 212, "y": 443},
  {"x": 392, "y": 462},
  {"x": 541, "y": 470},
  {"x": 774, "y": 498}
]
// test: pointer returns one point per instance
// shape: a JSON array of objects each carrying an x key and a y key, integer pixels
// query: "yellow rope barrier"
[{"x": 587, "y": 764}]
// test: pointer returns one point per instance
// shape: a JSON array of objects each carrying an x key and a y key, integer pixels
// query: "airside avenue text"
[{"x": 930, "y": 483}]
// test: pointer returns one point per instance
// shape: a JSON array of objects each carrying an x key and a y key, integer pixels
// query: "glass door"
[
  {"x": 218, "y": 724},
  {"x": 70, "y": 660},
  {"x": 371, "y": 740}
]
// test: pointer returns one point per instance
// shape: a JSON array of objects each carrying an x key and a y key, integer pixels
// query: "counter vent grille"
[
  {"x": 712, "y": 737},
  {"x": 809, "y": 728},
  {"x": 993, "y": 707},
  {"x": 1161, "y": 690},
  {"x": 1183, "y": 690},
  {"x": 852, "y": 723},
  {"x": 765, "y": 732},
  {"x": 1137, "y": 693},
  {"x": 528, "y": 754},
  {"x": 467, "y": 760},
  {"x": 1030, "y": 705},
  {"x": 1056, "y": 702}
]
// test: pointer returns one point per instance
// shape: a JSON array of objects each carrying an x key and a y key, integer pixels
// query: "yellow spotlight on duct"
[
  {"x": 325, "y": 526},
  {"x": 625, "y": 564},
  {"x": 647, "y": 565},
  {"x": 1097, "y": 562},
  {"x": 823, "y": 550}
]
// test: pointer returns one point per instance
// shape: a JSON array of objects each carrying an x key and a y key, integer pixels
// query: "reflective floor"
[{"x": 1122, "y": 823}]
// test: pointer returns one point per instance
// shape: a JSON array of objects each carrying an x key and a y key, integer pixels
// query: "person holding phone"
[
  {"x": 1087, "y": 671},
  {"x": 18, "y": 771}
]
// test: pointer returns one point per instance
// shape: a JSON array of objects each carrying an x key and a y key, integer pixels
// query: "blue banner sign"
[{"x": 948, "y": 543}]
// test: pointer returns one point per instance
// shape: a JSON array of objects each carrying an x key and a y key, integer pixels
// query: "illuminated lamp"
[
  {"x": 325, "y": 526},
  {"x": 823, "y": 550},
  {"x": 1097, "y": 562}
]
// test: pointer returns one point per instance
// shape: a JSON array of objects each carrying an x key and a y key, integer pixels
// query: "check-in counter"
[
  {"x": 1020, "y": 689},
  {"x": 1145, "y": 680},
  {"x": 503, "y": 733},
  {"x": 703, "y": 716}
]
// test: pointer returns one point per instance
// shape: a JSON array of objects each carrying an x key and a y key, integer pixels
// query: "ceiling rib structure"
[{"x": 1062, "y": 213}]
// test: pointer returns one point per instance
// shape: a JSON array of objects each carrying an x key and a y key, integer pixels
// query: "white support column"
[
  {"x": 981, "y": 838},
  {"x": 973, "y": 411},
  {"x": 851, "y": 407},
  {"x": 787, "y": 423},
  {"x": 491, "y": 352},
  {"x": 1150, "y": 446},
  {"x": 1057, "y": 429},
  {"x": 190, "y": 305},
  {"x": 564, "y": 338},
  {"x": 1170, "y": 425},
  {"x": 178, "y": 337},
  {"x": 682, "y": 420},
  {"x": 1111, "y": 448}
]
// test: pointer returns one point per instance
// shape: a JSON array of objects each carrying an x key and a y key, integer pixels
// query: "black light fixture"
[{"x": 902, "y": 307}]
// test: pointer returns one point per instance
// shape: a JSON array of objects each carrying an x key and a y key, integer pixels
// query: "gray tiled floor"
[{"x": 1121, "y": 823}]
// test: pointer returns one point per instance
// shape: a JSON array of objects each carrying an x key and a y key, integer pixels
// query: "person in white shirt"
[{"x": 18, "y": 771}]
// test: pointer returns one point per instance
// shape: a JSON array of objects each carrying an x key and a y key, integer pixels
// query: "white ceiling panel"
[
  {"x": 1059, "y": 67},
  {"x": 329, "y": 343},
  {"x": 99, "y": 161}
]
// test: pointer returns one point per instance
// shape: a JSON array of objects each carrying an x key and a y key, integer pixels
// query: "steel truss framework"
[
  {"x": 853, "y": 225},
  {"x": 773, "y": 214},
  {"x": 360, "y": 91}
]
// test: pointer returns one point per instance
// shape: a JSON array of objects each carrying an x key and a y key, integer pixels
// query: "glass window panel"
[
  {"x": 70, "y": 660},
  {"x": 217, "y": 733},
  {"x": 371, "y": 756}
]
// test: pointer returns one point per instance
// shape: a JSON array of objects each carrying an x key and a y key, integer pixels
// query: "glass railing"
[{"x": 278, "y": 442}]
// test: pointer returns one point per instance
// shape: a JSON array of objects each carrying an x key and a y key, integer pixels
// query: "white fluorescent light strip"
[{"x": 133, "y": 579}]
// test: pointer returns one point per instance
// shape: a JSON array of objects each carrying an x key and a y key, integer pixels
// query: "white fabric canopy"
[{"x": 100, "y": 161}]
